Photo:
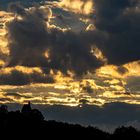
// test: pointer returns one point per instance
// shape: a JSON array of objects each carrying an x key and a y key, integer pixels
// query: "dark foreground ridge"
[{"x": 30, "y": 122}]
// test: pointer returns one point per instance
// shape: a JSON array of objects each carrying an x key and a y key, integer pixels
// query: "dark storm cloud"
[
  {"x": 116, "y": 35},
  {"x": 17, "y": 95},
  {"x": 30, "y": 38},
  {"x": 19, "y": 78},
  {"x": 111, "y": 113},
  {"x": 122, "y": 70},
  {"x": 120, "y": 20},
  {"x": 72, "y": 52},
  {"x": 26, "y": 3}
]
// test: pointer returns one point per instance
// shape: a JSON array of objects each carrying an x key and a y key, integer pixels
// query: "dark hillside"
[{"x": 30, "y": 122}]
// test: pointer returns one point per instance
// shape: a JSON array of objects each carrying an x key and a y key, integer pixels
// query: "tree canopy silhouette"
[{"x": 31, "y": 122}]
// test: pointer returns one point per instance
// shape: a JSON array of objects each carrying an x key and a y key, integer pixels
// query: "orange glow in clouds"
[
  {"x": 78, "y": 6},
  {"x": 106, "y": 85}
]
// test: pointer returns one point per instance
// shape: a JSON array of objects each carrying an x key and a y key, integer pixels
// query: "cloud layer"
[
  {"x": 120, "y": 20},
  {"x": 116, "y": 35},
  {"x": 30, "y": 38},
  {"x": 60, "y": 37}
]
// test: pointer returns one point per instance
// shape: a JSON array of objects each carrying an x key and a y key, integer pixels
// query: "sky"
[{"x": 76, "y": 57}]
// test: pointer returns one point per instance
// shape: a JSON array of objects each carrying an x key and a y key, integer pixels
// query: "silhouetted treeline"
[{"x": 30, "y": 123}]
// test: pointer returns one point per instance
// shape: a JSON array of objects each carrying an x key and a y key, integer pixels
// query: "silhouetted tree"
[
  {"x": 26, "y": 108},
  {"x": 126, "y": 133},
  {"x": 3, "y": 109},
  {"x": 36, "y": 115}
]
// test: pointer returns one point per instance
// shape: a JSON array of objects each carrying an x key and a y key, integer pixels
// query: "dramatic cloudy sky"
[{"x": 83, "y": 55}]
